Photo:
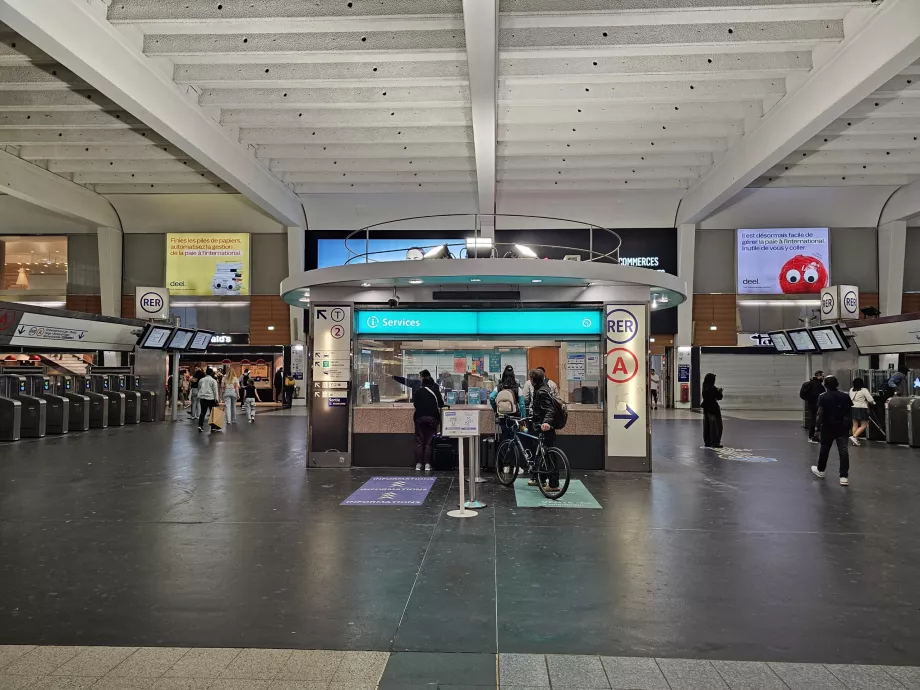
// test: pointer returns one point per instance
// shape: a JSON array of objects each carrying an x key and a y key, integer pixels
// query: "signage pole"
[
  {"x": 462, "y": 512},
  {"x": 474, "y": 502},
  {"x": 174, "y": 392}
]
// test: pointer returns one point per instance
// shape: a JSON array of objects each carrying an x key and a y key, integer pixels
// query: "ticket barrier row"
[{"x": 34, "y": 405}]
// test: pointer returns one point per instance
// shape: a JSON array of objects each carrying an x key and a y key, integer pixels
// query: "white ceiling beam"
[
  {"x": 834, "y": 181},
  {"x": 335, "y": 97},
  {"x": 38, "y": 152},
  {"x": 480, "y": 19},
  {"x": 592, "y": 147},
  {"x": 289, "y": 25},
  {"x": 885, "y": 46},
  {"x": 903, "y": 204},
  {"x": 37, "y": 186},
  {"x": 670, "y": 92},
  {"x": 408, "y": 149},
  {"x": 71, "y": 32},
  {"x": 139, "y": 11}
]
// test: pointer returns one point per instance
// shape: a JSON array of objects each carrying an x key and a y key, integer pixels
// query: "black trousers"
[
  {"x": 712, "y": 427},
  {"x": 842, "y": 450},
  {"x": 425, "y": 429},
  {"x": 206, "y": 406},
  {"x": 812, "y": 420}
]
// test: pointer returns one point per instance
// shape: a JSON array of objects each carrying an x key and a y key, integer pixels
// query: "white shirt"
[
  {"x": 654, "y": 380},
  {"x": 207, "y": 389},
  {"x": 861, "y": 398}
]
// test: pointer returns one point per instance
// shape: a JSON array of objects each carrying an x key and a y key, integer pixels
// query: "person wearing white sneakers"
[
  {"x": 428, "y": 403},
  {"x": 833, "y": 426},
  {"x": 861, "y": 402}
]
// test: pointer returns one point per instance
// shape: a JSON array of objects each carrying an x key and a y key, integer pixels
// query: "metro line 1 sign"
[{"x": 625, "y": 365}]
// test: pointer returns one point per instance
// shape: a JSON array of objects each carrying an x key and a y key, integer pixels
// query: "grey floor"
[{"x": 160, "y": 536}]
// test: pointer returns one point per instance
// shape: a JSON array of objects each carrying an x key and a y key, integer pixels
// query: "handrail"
[{"x": 612, "y": 256}]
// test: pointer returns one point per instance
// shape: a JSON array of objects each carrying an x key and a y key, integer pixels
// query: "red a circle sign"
[{"x": 622, "y": 365}]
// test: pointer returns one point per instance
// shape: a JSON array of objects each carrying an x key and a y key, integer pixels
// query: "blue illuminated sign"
[{"x": 438, "y": 323}]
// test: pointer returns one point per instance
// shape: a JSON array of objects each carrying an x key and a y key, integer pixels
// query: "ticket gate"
[
  {"x": 10, "y": 413},
  {"x": 98, "y": 403},
  {"x": 80, "y": 405},
  {"x": 57, "y": 408},
  {"x": 33, "y": 417},
  {"x": 913, "y": 422},
  {"x": 99, "y": 383},
  {"x": 896, "y": 414},
  {"x": 119, "y": 383},
  {"x": 148, "y": 406}
]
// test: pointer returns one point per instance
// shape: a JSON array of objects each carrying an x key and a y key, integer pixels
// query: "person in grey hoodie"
[{"x": 208, "y": 396}]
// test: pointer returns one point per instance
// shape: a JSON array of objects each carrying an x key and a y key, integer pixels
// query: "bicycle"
[{"x": 549, "y": 462}]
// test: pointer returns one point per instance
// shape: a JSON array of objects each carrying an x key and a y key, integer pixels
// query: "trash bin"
[
  {"x": 896, "y": 414},
  {"x": 913, "y": 422}
]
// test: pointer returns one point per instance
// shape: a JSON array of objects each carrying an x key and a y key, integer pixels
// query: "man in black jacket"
[
  {"x": 834, "y": 412},
  {"x": 542, "y": 418},
  {"x": 810, "y": 392}
]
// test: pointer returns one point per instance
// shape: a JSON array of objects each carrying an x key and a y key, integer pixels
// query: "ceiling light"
[
  {"x": 475, "y": 280},
  {"x": 416, "y": 281},
  {"x": 304, "y": 299},
  {"x": 524, "y": 252},
  {"x": 271, "y": 328},
  {"x": 536, "y": 280},
  {"x": 365, "y": 284},
  {"x": 439, "y": 252},
  {"x": 478, "y": 247},
  {"x": 651, "y": 340},
  {"x": 713, "y": 327}
]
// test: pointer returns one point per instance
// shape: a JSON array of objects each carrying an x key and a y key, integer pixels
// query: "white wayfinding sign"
[
  {"x": 460, "y": 423},
  {"x": 839, "y": 303},
  {"x": 626, "y": 347},
  {"x": 331, "y": 328},
  {"x": 151, "y": 302}
]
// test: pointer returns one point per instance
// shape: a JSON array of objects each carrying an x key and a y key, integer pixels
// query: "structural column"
[
  {"x": 686, "y": 255},
  {"x": 892, "y": 247},
  {"x": 296, "y": 237},
  {"x": 109, "y": 242}
]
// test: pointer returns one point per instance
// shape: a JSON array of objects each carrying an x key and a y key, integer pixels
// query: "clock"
[{"x": 414, "y": 254}]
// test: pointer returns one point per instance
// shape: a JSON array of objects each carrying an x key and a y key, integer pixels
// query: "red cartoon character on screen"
[{"x": 802, "y": 275}]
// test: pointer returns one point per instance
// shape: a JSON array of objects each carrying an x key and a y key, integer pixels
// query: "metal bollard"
[{"x": 474, "y": 474}]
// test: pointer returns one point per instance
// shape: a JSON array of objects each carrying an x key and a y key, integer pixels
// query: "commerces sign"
[
  {"x": 207, "y": 264},
  {"x": 787, "y": 261},
  {"x": 439, "y": 323}
]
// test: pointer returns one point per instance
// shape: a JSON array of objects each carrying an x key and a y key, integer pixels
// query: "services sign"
[{"x": 626, "y": 336}]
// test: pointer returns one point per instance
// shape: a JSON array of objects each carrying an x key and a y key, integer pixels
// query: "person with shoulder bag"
[{"x": 428, "y": 403}]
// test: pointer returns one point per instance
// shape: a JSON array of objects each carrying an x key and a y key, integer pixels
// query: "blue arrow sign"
[{"x": 632, "y": 417}]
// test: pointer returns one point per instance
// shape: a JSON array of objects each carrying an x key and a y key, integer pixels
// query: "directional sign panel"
[
  {"x": 331, "y": 328},
  {"x": 626, "y": 355},
  {"x": 64, "y": 333}
]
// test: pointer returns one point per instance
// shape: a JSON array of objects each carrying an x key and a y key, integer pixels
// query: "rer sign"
[
  {"x": 151, "y": 303},
  {"x": 626, "y": 348}
]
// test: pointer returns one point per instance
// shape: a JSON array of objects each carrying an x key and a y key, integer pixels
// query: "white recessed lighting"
[
  {"x": 713, "y": 327},
  {"x": 475, "y": 280},
  {"x": 365, "y": 284},
  {"x": 304, "y": 299},
  {"x": 536, "y": 280},
  {"x": 416, "y": 281},
  {"x": 651, "y": 340},
  {"x": 271, "y": 328}
]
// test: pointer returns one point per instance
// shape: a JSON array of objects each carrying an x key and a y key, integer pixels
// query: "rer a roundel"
[{"x": 622, "y": 365}]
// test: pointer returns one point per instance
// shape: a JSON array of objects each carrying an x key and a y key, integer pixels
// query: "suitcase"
[
  {"x": 444, "y": 454},
  {"x": 487, "y": 449}
]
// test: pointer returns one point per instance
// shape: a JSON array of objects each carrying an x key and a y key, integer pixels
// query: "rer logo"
[
  {"x": 850, "y": 302},
  {"x": 827, "y": 303},
  {"x": 622, "y": 326},
  {"x": 152, "y": 303}
]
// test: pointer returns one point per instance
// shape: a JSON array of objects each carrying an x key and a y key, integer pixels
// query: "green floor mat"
[{"x": 577, "y": 496}]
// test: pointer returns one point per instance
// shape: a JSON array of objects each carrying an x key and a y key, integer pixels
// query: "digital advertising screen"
[
  {"x": 828, "y": 339},
  {"x": 781, "y": 342},
  {"x": 783, "y": 261},
  {"x": 215, "y": 264},
  {"x": 333, "y": 252},
  {"x": 802, "y": 341}
]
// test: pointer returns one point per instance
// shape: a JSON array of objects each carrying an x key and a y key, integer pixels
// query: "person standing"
[
  {"x": 279, "y": 384},
  {"x": 528, "y": 390},
  {"x": 428, "y": 402},
  {"x": 712, "y": 412},
  {"x": 810, "y": 392},
  {"x": 862, "y": 400},
  {"x": 184, "y": 389},
  {"x": 290, "y": 387},
  {"x": 208, "y": 396},
  {"x": 248, "y": 391},
  {"x": 231, "y": 394},
  {"x": 834, "y": 420},
  {"x": 654, "y": 385},
  {"x": 193, "y": 393},
  {"x": 543, "y": 417}
]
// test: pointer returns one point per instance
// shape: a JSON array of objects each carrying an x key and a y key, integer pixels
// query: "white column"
[
  {"x": 296, "y": 238},
  {"x": 892, "y": 245},
  {"x": 686, "y": 255},
  {"x": 109, "y": 242}
]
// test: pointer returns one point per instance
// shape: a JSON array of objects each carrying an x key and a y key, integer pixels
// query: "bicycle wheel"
[
  {"x": 506, "y": 462},
  {"x": 553, "y": 468}
]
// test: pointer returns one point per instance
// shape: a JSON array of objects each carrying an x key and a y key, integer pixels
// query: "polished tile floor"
[
  {"x": 158, "y": 536},
  {"x": 172, "y": 668}
]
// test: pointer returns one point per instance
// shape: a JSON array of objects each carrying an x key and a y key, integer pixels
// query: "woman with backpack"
[
  {"x": 428, "y": 403},
  {"x": 507, "y": 400}
]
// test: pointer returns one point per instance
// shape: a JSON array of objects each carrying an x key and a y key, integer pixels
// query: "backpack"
[
  {"x": 804, "y": 390},
  {"x": 506, "y": 402},
  {"x": 560, "y": 411}
]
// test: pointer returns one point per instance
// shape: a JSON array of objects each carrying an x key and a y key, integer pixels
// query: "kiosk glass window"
[{"x": 33, "y": 268}]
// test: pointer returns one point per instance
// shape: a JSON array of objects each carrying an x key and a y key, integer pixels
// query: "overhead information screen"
[
  {"x": 781, "y": 342},
  {"x": 200, "y": 341},
  {"x": 828, "y": 339},
  {"x": 180, "y": 339},
  {"x": 802, "y": 341},
  {"x": 156, "y": 337}
]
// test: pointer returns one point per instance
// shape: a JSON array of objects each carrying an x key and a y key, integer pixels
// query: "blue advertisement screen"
[
  {"x": 437, "y": 323},
  {"x": 334, "y": 253}
]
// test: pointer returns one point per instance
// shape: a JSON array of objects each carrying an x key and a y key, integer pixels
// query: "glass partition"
[{"x": 33, "y": 269}]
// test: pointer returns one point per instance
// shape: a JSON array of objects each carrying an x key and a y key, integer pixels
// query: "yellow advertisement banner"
[{"x": 207, "y": 264}]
